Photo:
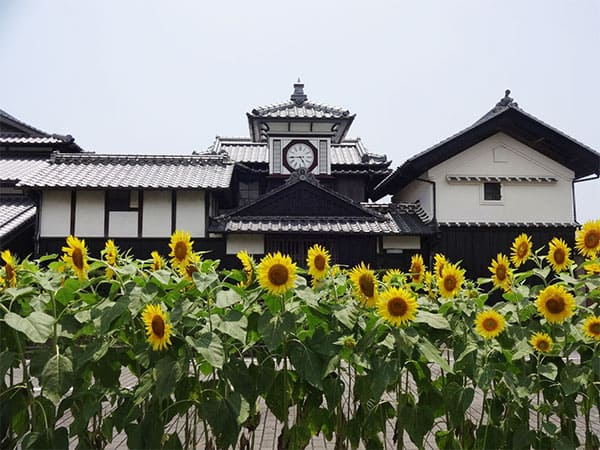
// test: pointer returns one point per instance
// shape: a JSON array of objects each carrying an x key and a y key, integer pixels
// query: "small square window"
[
  {"x": 492, "y": 191},
  {"x": 123, "y": 200}
]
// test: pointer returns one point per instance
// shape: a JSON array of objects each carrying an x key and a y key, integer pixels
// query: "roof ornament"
[
  {"x": 507, "y": 100},
  {"x": 298, "y": 97}
]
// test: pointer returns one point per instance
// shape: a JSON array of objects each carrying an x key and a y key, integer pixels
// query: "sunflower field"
[{"x": 350, "y": 354}]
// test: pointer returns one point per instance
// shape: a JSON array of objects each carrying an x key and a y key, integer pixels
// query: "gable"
[
  {"x": 302, "y": 199},
  {"x": 500, "y": 156}
]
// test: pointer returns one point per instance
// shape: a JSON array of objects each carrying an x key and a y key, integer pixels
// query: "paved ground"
[{"x": 266, "y": 434}]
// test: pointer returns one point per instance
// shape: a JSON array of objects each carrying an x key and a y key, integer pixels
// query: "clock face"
[{"x": 299, "y": 155}]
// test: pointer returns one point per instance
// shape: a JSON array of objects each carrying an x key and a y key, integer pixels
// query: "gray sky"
[{"x": 152, "y": 76}]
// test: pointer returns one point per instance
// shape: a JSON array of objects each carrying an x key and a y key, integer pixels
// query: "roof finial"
[
  {"x": 298, "y": 97},
  {"x": 507, "y": 100}
]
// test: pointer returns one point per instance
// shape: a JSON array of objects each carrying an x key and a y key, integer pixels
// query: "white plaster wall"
[
  {"x": 401, "y": 242},
  {"x": 55, "y": 215},
  {"x": 501, "y": 155},
  {"x": 156, "y": 220},
  {"x": 123, "y": 223},
  {"x": 417, "y": 190},
  {"x": 252, "y": 243},
  {"x": 89, "y": 213},
  {"x": 190, "y": 215}
]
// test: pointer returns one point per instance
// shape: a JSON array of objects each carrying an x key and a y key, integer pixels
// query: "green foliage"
[{"x": 348, "y": 375}]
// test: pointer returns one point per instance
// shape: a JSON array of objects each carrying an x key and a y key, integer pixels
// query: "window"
[
  {"x": 492, "y": 192},
  {"x": 123, "y": 200},
  {"x": 248, "y": 192}
]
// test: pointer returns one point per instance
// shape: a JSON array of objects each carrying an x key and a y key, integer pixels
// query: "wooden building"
[
  {"x": 506, "y": 174},
  {"x": 296, "y": 180}
]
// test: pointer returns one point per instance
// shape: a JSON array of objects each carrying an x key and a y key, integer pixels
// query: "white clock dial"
[{"x": 300, "y": 155}]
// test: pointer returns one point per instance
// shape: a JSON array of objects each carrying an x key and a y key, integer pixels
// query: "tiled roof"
[
  {"x": 344, "y": 225},
  {"x": 132, "y": 171},
  {"x": 15, "y": 168},
  {"x": 15, "y": 212},
  {"x": 410, "y": 218},
  {"x": 305, "y": 110},
  {"x": 502, "y": 179},
  {"x": 20, "y": 139},
  {"x": 244, "y": 150},
  {"x": 509, "y": 224}
]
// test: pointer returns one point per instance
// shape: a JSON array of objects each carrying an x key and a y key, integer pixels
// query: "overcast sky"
[{"x": 152, "y": 76}]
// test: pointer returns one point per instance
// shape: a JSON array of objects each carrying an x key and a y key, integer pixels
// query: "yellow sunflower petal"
[
  {"x": 587, "y": 239},
  {"x": 489, "y": 324},
  {"x": 555, "y": 304},
  {"x": 181, "y": 249},
  {"x": 365, "y": 284},
  {"x": 417, "y": 268},
  {"x": 501, "y": 272},
  {"x": 76, "y": 256},
  {"x": 157, "y": 261},
  {"x": 247, "y": 267},
  {"x": 559, "y": 255},
  {"x": 157, "y": 327},
  {"x": 276, "y": 273},
  {"x": 317, "y": 261},
  {"x": 397, "y": 306},
  {"x": 521, "y": 249},
  {"x": 591, "y": 327},
  {"x": 10, "y": 268},
  {"x": 451, "y": 280},
  {"x": 541, "y": 342}
]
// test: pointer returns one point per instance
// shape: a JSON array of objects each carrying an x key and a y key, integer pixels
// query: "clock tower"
[{"x": 299, "y": 133}]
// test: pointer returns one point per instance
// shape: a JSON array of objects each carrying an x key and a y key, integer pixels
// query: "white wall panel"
[
  {"x": 252, "y": 243},
  {"x": 191, "y": 212},
  {"x": 55, "y": 215},
  {"x": 89, "y": 214},
  {"x": 123, "y": 224},
  {"x": 401, "y": 242},
  {"x": 156, "y": 220}
]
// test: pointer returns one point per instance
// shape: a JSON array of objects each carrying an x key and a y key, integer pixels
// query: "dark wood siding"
[{"x": 477, "y": 246}]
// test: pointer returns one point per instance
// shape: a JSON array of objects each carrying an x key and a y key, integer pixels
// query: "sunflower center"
[
  {"x": 397, "y": 307},
  {"x": 490, "y": 324},
  {"x": 180, "y": 250},
  {"x": 320, "y": 262},
  {"x": 595, "y": 328},
  {"x": 440, "y": 269},
  {"x": 10, "y": 271},
  {"x": 555, "y": 305},
  {"x": 592, "y": 239},
  {"x": 190, "y": 269},
  {"x": 501, "y": 272},
  {"x": 522, "y": 249},
  {"x": 543, "y": 345},
  {"x": 559, "y": 256},
  {"x": 278, "y": 274},
  {"x": 77, "y": 257},
  {"x": 450, "y": 283},
  {"x": 158, "y": 326},
  {"x": 366, "y": 285}
]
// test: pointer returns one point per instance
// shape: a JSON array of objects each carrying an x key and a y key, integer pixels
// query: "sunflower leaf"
[
  {"x": 549, "y": 370},
  {"x": 37, "y": 326},
  {"x": 433, "y": 320},
  {"x": 432, "y": 354},
  {"x": 233, "y": 323},
  {"x": 227, "y": 298},
  {"x": 210, "y": 346},
  {"x": 56, "y": 377}
]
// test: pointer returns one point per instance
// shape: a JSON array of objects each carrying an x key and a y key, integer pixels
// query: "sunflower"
[
  {"x": 521, "y": 249},
  {"x": 188, "y": 271},
  {"x": 110, "y": 256},
  {"x": 157, "y": 328},
  {"x": 181, "y": 249},
  {"x": 393, "y": 278},
  {"x": 248, "y": 267},
  {"x": 489, "y": 324},
  {"x": 559, "y": 255},
  {"x": 501, "y": 272},
  {"x": 10, "y": 268},
  {"x": 451, "y": 280},
  {"x": 541, "y": 342},
  {"x": 587, "y": 239},
  {"x": 157, "y": 261},
  {"x": 438, "y": 266},
  {"x": 591, "y": 267},
  {"x": 365, "y": 284},
  {"x": 317, "y": 261},
  {"x": 397, "y": 306},
  {"x": 76, "y": 256},
  {"x": 591, "y": 327},
  {"x": 417, "y": 268},
  {"x": 555, "y": 303},
  {"x": 276, "y": 273}
]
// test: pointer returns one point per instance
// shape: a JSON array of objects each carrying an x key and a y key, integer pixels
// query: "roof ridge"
[{"x": 108, "y": 158}]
